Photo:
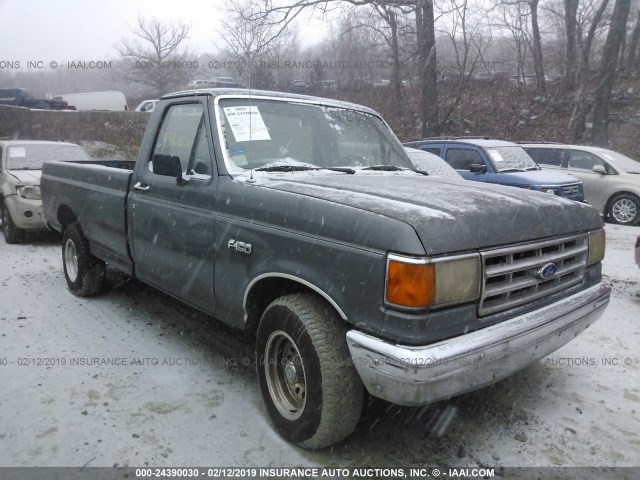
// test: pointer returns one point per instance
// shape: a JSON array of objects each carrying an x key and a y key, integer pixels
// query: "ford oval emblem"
[{"x": 548, "y": 271}]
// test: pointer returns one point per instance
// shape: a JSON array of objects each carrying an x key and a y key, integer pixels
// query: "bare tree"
[
  {"x": 249, "y": 37},
  {"x": 282, "y": 14},
  {"x": 571, "y": 50},
  {"x": 632, "y": 55},
  {"x": 577, "y": 123},
  {"x": 469, "y": 46},
  {"x": 538, "y": 63},
  {"x": 156, "y": 57},
  {"x": 607, "y": 73}
]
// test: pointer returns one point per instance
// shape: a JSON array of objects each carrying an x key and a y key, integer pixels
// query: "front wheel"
[
  {"x": 309, "y": 385},
  {"x": 84, "y": 272},
  {"x": 12, "y": 234},
  {"x": 624, "y": 209}
]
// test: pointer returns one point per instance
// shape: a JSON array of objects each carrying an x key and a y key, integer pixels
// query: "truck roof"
[{"x": 247, "y": 92}]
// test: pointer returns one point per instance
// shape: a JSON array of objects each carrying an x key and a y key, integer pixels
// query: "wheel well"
[
  {"x": 65, "y": 217},
  {"x": 266, "y": 290}
]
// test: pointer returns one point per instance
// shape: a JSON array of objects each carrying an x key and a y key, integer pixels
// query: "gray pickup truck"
[{"x": 303, "y": 220}]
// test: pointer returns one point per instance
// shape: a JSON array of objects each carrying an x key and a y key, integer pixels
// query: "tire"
[
  {"x": 624, "y": 209},
  {"x": 84, "y": 272},
  {"x": 12, "y": 234},
  {"x": 310, "y": 387}
]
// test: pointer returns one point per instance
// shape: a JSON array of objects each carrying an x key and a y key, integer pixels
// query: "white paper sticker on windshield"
[
  {"x": 246, "y": 123},
  {"x": 17, "y": 152}
]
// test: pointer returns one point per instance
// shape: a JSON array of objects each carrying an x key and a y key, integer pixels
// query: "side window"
[
  {"x": 434, "y": 150},
  {"x": 463, "y": 158},
  {"x": 183, "y": 137},
  {"x": 583, "y": 160},
  {"x": 546, "y": 156}
]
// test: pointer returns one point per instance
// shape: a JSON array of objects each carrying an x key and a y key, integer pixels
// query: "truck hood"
[
  {"x": 449, "y": 216},
  {"x": 26, "y": 177},
  {"x": 539, "y": 177}
]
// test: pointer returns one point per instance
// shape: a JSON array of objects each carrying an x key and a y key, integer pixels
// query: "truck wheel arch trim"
[{"x": 299, "y": 280}]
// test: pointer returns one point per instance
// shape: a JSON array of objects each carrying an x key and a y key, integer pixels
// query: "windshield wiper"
[
  {"x": 532, "y": 168},
  {"x": 303, "y": 168},
  {"x": 510, "y": 170},
  {"x": 384, "y": 168},
  {"x": 285, "y": 168},
  {"x": 394, "y": 168}
]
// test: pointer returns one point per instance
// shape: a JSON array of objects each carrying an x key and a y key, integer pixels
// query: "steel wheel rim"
[
  {"x": 285, "y": 376},
  {"x": 624, "y": 210},
  {"x": 71, "y": 260}
]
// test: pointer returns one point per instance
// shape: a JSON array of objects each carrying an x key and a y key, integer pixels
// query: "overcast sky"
[{"x": 42, "y": 30}]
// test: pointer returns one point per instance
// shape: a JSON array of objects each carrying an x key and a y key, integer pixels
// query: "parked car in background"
[
  {"x": 146, "y": 106},
  {"x": 298, "y": 86},
  {"x": 497, "y": 161},
  {"x": 21, "y": 97},
  {"x": 112, "y": 100},
  {"x": 224, "y": 82},
  {"x": 432, "y": 164},
  {"x": 611, "y": 180},
  {"x": 20, "y": 170},
  {"x": 198, "y": 84}
]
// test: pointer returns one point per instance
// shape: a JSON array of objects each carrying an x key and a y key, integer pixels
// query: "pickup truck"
[
  {"x": 500, "y": 162},
  {"x": 303, "y": 220}
]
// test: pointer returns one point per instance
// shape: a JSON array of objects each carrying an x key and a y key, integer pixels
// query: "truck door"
[{"x": 172, "y": 215}]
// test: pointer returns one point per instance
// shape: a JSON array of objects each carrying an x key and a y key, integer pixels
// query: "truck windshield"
[
  {"x": 264, "y": 133},
  {"x": 511, "y": 158},
  {"x": 32, "y": 156}
]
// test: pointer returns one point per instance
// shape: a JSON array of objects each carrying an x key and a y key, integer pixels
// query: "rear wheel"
[
  {"x": 624, "y": 209},
  {"x": 12, "y": 234},
  {"x": 309, "y": 385},
  {"x": 84, "y": 272}
]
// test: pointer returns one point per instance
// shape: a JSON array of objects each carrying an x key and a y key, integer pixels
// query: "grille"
[
  {"x": 570, "y": 190},
  {"x": 511, "y": 275}
]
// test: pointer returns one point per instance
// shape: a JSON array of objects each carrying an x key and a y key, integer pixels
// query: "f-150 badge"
[{"x": 239, "y": 247}]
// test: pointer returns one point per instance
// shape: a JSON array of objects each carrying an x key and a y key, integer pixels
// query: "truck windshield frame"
[{"x": 276, "y": 131}]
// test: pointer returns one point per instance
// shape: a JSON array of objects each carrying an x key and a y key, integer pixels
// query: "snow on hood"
[
  {"x": 450, "y": 215},
  {"x": 27, "y": 177},
  {"x": 542, "y": 177}
]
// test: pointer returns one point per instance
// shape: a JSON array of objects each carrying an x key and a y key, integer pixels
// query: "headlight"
[
  {"x": 31, "y": 192},
  {"x": 549, "y": 190},
  {"x": 421, "y": 282},
  {"x": 597, "y": 243}
]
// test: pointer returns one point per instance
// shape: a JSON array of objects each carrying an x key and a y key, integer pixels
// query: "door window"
[
  {"x": 184, "y": 136},
  {"x": 584, "y": 160},
  {"x": 463, "y": 158}
]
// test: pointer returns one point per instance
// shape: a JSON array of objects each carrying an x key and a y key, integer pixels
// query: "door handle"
[{"x": 141, "y": 188}]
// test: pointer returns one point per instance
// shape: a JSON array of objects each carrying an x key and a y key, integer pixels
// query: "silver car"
[
  {"x": 611, "y": 180},
  {"x": 20, "y": 170}
]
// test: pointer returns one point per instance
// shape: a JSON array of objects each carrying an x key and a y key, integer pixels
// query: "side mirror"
[
  {"x": 478, "y": 168},
  {"x": 167, "y": 165},
  {"x": 599, "y": 169}
]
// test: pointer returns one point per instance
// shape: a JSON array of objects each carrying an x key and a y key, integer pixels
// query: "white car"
[
  {"x": 147, "y": 106},
  {"x": 20, "y": 170},
  {"x": 611, "y": 180}
]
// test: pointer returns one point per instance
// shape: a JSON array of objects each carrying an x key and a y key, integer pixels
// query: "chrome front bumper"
[{"x": 409, "y": 375}]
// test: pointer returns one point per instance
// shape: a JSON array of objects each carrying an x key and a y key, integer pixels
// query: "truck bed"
[{"x": 101, "y": 188}]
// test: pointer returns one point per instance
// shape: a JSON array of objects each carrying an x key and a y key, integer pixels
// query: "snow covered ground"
[{"x": 180, "y": 390}]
